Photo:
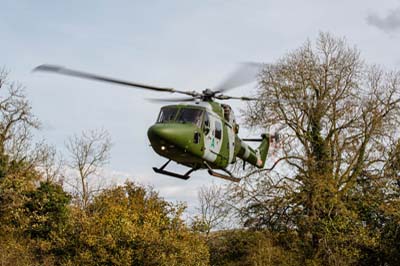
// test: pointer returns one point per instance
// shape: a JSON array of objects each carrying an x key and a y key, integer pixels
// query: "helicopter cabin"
[
  {"x": 201, "y": 115},
  {"x": 181, "y": 132},
  {"x": 191, "y": 134},
  {"x": 195, "y": 114}
]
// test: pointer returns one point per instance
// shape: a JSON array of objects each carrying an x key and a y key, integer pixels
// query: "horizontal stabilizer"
[{"x": 254, "y": 140}]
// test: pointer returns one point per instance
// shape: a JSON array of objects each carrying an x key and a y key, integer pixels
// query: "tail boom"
[{"x": 255, "y": 157}]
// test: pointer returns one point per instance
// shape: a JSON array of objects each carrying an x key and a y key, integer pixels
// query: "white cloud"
[{"x": 388, "y": 23}]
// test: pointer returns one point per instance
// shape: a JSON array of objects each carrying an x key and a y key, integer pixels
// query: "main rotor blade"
[
  {"x": 271, "y": 100},
  {"x": 226, "y": 97},
  {"x": 158, "y": 100},
  {"x": 245, "y": 73},
  {"x": 80, "y": 74}
]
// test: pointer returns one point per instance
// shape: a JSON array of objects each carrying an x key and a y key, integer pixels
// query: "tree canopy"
[{"x": 341, "y": 119}]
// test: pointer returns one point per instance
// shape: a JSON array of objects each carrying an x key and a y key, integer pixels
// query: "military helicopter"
[{"x": 198, "y": 132}]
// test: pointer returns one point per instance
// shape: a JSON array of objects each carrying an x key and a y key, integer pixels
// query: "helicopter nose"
[
  {"x": 161, "y": 133},
  {"x": 171, "y": 134}
]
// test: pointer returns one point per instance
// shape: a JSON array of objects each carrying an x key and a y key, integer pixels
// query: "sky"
[{"x": 182, "y": 44}]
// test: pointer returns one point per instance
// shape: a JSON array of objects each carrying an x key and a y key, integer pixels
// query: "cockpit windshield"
[
  {"x": 167, "y": 114},
  {"x": 181, "y": 115},
  {"x": 190, "y": 115}
]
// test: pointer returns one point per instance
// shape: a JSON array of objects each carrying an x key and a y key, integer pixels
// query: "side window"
[
  {"x": 206, "y": 128},
  {"x": 196, "y": 138},
  {"x": 227, "y": 112},
  {"x": 218, "y": 130}
]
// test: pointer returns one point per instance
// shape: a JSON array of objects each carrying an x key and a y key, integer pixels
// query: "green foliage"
[
  {"x": 15, "y": 250},
  {"x": 124, "y": 225},
  {"x": 47, "y": 208},
  {"x": 248, "y": 248},
  {"x": 15, "y": 247},
  {"x": 128, "y": 225}
]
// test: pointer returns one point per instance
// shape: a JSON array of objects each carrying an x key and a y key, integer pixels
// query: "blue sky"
[{"x": 181, "y": 44}]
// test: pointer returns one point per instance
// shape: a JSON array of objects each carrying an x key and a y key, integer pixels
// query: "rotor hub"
[{"x": 208, "y": 95}]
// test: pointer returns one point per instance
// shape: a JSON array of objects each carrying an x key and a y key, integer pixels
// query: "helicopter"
[{"x": 196, "y": 131}]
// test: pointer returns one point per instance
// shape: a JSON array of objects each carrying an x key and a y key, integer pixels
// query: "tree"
[
  {"x": 341, "y": 119},
  {"x": 213, "y": 209},
  {"x": 48, "y": 200},
  {"x": 248, "y": 248},
  {"x": 19, "y": 157},
  {"x": 47, "y": 209},
  {"x": 88, "y": 152},
  {"x": 130, "y": 225},
  {"x": 25, "y": 206},
  {"x": 16, "y": 124}
]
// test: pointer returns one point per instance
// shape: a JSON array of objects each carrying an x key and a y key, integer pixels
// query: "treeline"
[
  {"x": 330, "y": 194},
  {"x": 124, "y": 225}
]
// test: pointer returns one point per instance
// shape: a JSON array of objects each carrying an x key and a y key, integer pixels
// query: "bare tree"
[
  {"x": 88, "y": 153},
  {"x": 214, "y": 210},
  {"x": 49, "y": 163},
  {"x": 16, "y": 124},
  {"x": 16, "y": 117}
]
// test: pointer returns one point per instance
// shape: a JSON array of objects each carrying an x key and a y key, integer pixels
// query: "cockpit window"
[
  {"x": 190, "y": 115},
  {"x": 167, "y": 114}
]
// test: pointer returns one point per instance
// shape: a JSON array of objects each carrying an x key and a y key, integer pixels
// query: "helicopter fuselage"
[{"x": 201, "y": 135}]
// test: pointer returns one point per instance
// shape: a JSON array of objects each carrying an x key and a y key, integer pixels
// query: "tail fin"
[{"x": 262, "y": 151}]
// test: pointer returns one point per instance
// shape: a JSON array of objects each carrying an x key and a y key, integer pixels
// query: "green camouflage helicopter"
[{"x": 198, "y": 132}]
